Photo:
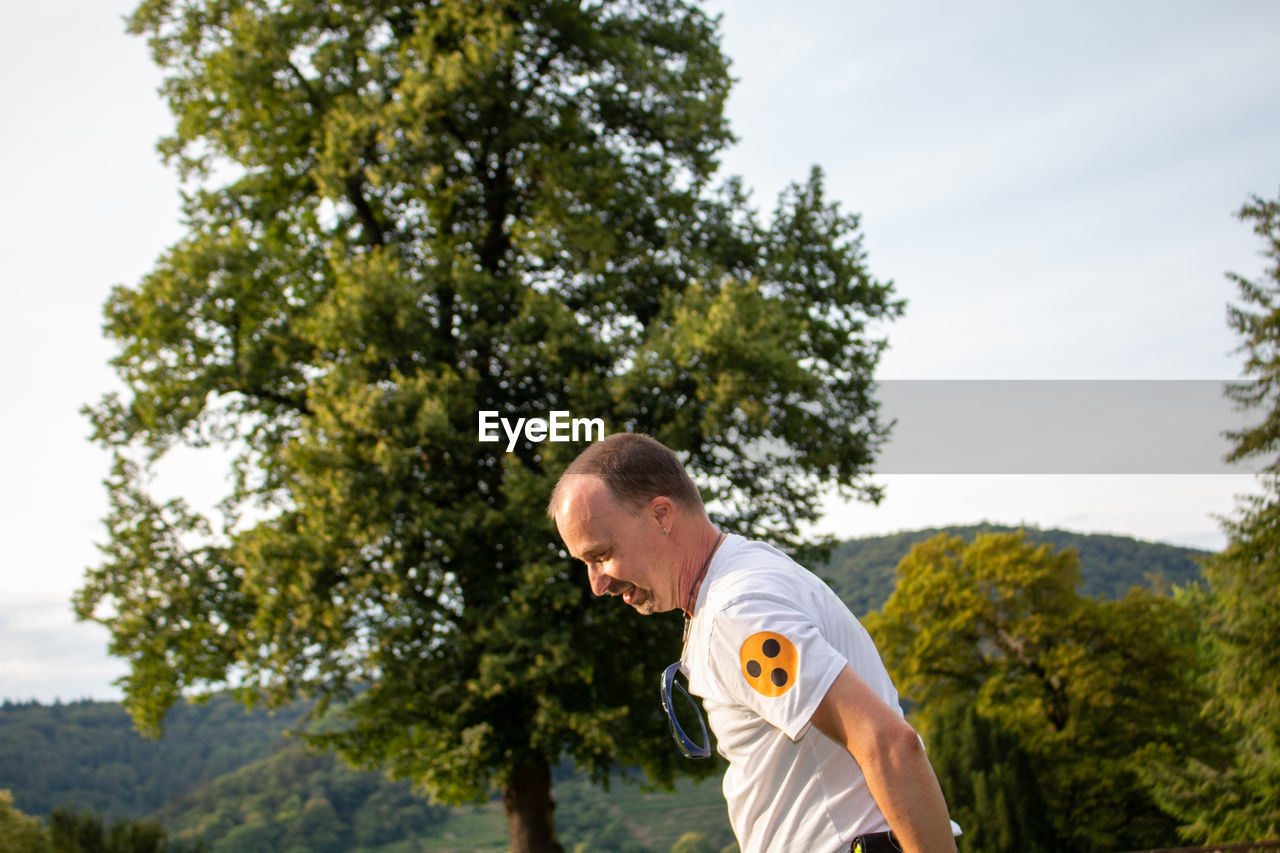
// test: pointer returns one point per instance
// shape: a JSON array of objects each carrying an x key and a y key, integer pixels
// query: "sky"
[{"x": 1050, "y": 186}]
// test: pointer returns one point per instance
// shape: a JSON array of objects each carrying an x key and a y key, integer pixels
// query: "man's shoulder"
[{"x": 753, "y": 570}]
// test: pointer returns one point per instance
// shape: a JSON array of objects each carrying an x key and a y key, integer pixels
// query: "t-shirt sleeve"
[{"x": 771, "y": 657}]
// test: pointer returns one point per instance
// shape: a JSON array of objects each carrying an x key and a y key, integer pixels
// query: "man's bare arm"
[{"x": 893, "y": 761}]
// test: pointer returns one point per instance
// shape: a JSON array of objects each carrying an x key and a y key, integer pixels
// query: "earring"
[{"x": 666, "y": 532}]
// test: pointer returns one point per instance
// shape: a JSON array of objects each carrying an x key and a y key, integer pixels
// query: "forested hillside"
[
  {"x": 861, "y": 570},
  {"x": 87, "y": 753},
  {"x": 232, "y": 779},
  {"x": 277, "y": 795},
  {"x": 298, "y": 798}
]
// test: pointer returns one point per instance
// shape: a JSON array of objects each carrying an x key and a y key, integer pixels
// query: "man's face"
[{"x": 624, "y": 549}]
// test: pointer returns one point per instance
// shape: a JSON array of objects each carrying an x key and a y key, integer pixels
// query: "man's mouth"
[
  {"x": 628, "y": 592},
  {"x": 632, "y": 594}
]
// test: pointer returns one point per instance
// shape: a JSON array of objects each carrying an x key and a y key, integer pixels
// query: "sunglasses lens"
[{"x": 685, "y": 717}]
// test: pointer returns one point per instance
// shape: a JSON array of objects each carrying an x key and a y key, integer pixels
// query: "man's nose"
[{"x": 600, "y": 582}]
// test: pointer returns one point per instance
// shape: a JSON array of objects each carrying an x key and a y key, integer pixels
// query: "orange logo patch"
[{"x": 770, "y": 663}]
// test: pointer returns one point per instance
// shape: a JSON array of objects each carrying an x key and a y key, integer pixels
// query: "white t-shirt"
[{"x": 766, "y": 642}]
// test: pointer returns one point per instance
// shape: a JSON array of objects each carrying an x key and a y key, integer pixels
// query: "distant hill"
[
  {"x": 220, "y": 774},
  {"x": 232, "y": 779},
  {"x": 861, "y": 570},
  {"x": 300, "y": 799},
  {"x": 88, "y": 754}
]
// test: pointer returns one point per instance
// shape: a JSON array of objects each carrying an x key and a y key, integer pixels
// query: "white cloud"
[{"x": 45, "y": 654}]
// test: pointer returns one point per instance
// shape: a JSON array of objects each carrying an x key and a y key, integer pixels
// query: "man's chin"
[{"x": 642, "y": 602}]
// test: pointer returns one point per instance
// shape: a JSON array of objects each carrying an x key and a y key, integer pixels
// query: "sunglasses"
[{"x": 689, "y": 710}]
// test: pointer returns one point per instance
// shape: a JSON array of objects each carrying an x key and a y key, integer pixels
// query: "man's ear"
[{"x": 661, "y": 508}]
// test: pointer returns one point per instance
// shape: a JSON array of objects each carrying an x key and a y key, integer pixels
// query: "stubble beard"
[
  {"x": 641, "y": 599},
  {"x": 645, "y": 607}
]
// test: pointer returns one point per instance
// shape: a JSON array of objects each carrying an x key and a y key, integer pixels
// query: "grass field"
[{"x": 478, "y": 828}]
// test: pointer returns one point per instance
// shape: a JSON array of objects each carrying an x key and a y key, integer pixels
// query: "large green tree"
[
  {"x": 1089, "y": 691},
  {"x": 1237, "y": 798},
  {"x": 401, "y": 214}
]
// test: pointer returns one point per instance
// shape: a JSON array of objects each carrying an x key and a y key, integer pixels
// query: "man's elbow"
[{"x": 897, "y": 745}]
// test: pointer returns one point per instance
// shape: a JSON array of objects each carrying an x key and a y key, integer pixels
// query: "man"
[{"x": 820, "y": 756}]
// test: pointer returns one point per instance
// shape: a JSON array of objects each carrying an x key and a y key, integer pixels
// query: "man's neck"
[{"x": 695, "y": 567}]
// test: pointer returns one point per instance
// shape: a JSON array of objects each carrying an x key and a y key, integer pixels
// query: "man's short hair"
[{"x": 636, "y": 469}]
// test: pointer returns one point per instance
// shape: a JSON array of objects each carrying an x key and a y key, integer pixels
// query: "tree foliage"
[
  {"x": 1237, "y": 798},
  {"x": 86, "y": 753},
  {"x": 986, "y": 777},
  {"x": 299, "y": 798},
  {"x": 1090, "y": 690},
  {"x": 219, "y": 768},
  {"x": 400, "y": 214},
  {"x": 76, "y": 831},
  {"x": 693, "y": 842},
  {"x": 20, "y": 833},
  {"x": 72, "y": 830},
  {"x": 862, "y": 570}
]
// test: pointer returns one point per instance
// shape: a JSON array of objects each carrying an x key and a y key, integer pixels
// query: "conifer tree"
[
  {"x": 986, "y": 777},
  {"x": 1244, "y": 578},
  {"x": 1237, "y": 798}
]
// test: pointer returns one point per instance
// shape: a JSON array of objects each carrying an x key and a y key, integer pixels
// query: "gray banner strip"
[{"x": 982, "y": 426}]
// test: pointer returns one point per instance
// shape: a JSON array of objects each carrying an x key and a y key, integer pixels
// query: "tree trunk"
[{"x": 526, "y": 800}]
